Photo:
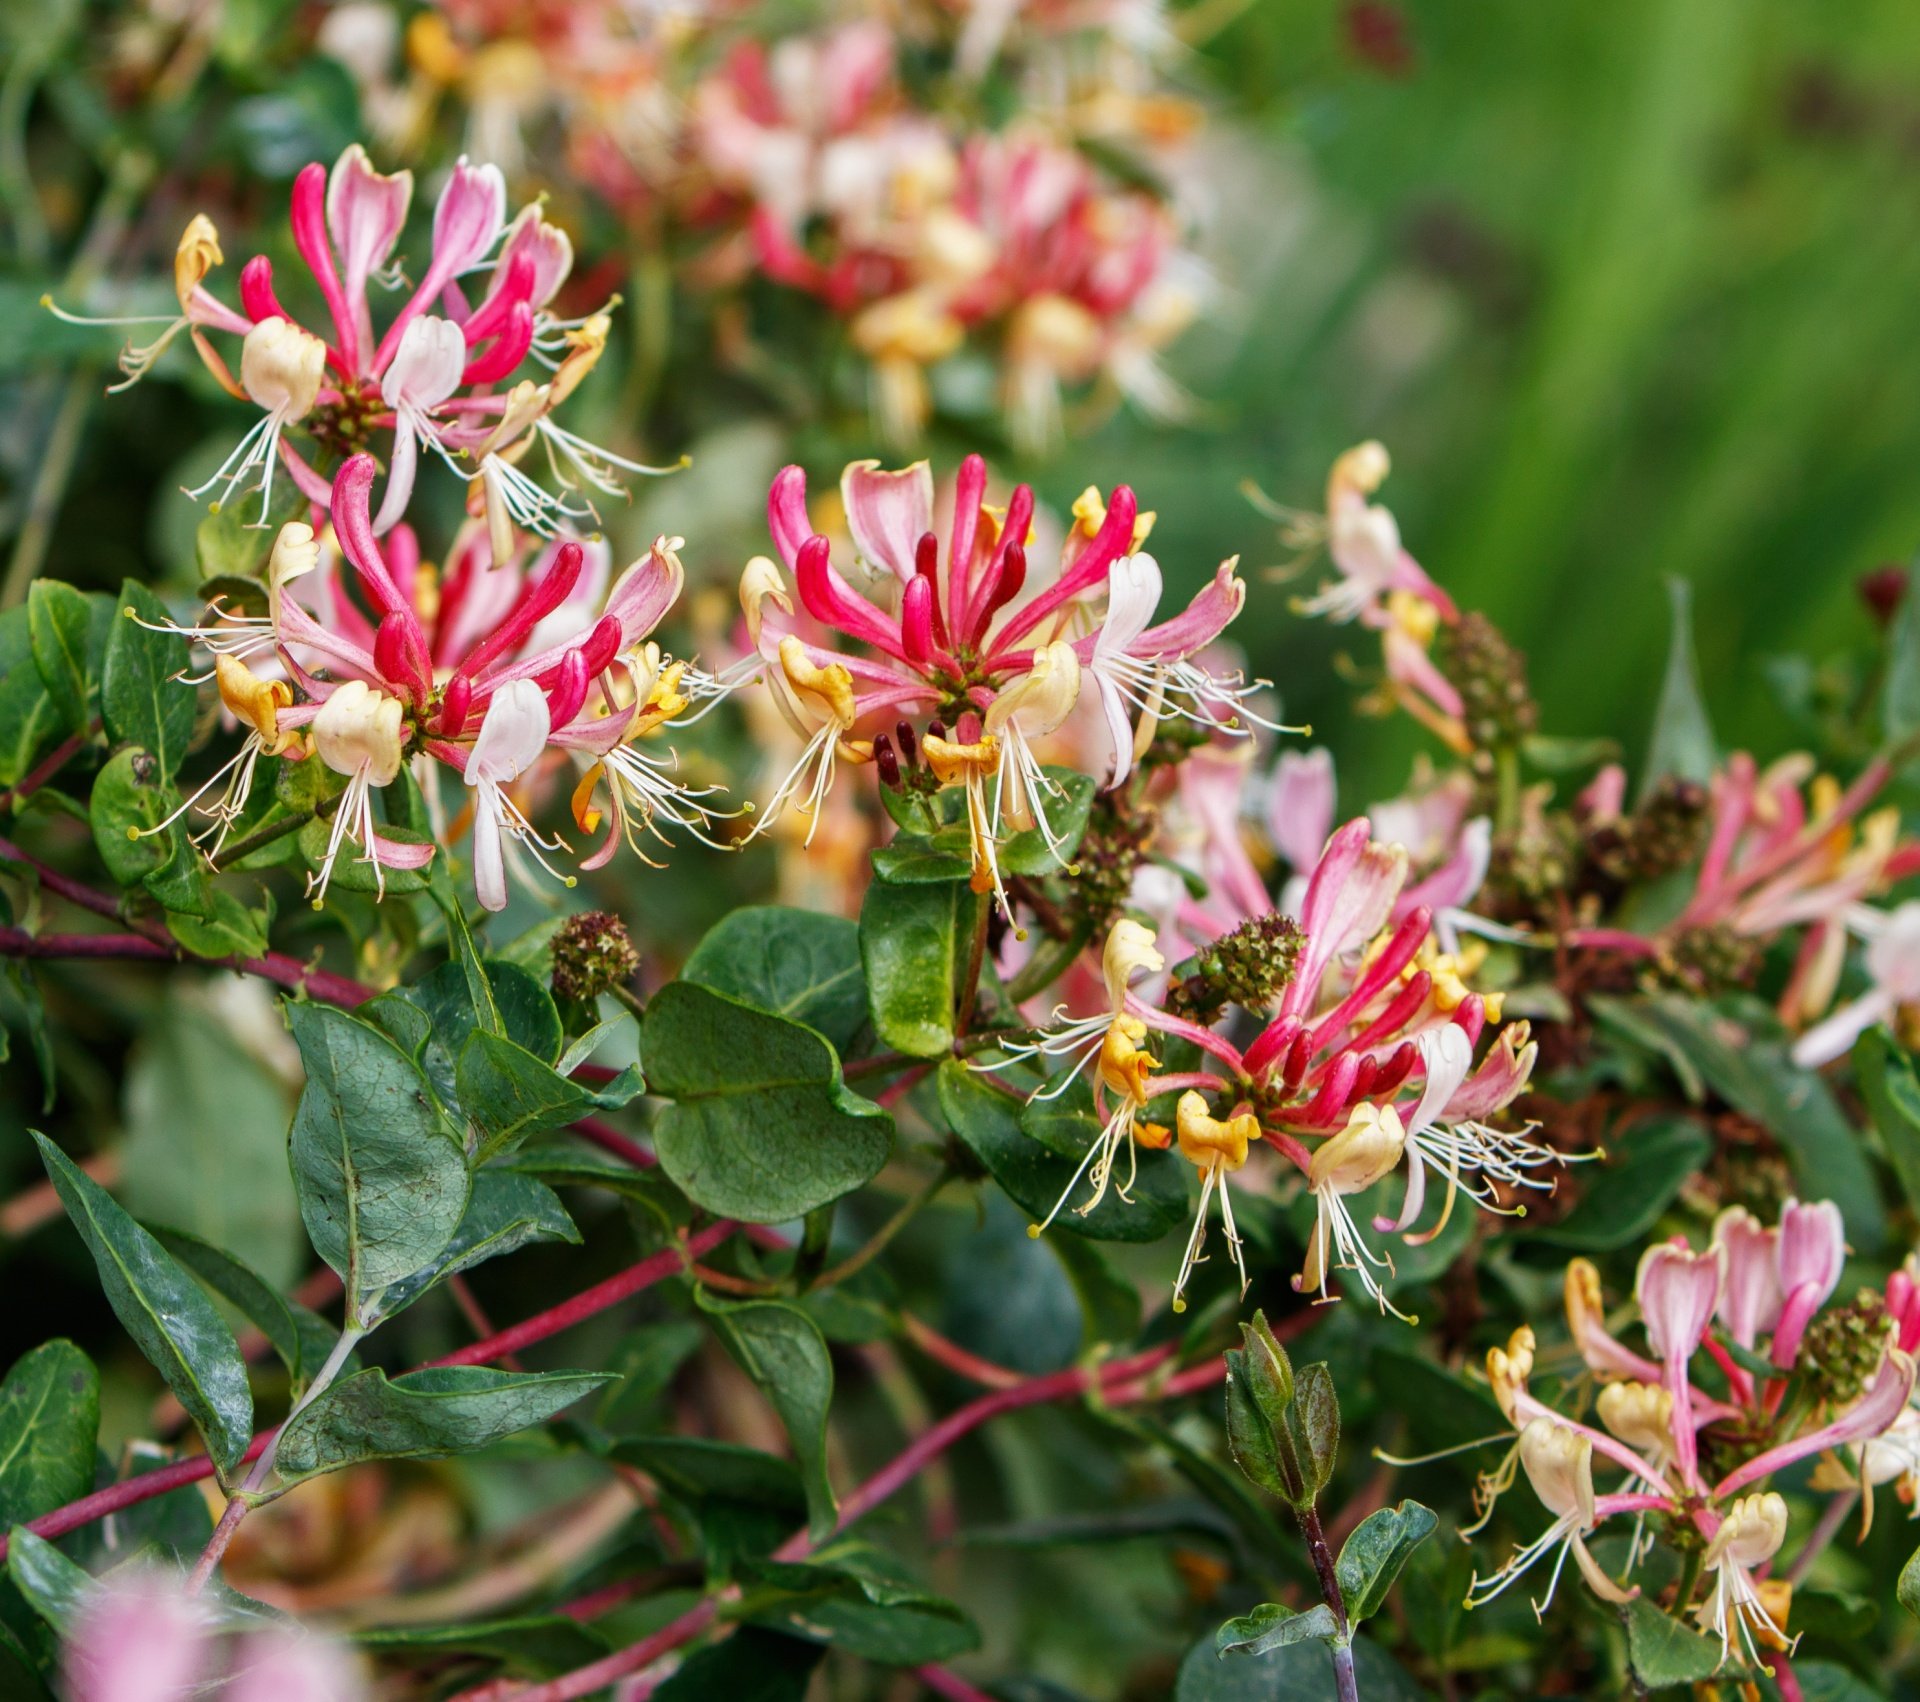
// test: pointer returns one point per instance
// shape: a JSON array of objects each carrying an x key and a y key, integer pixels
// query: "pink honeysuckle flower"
[
  {"x": 1751, "y": 1299},
  {"x": 430, "y": 378},
  {"x": 417, "y": 672},
  {"x": 1812, "y": 1247},
  {"x": 1892, "y": 962},
  {"x": 1300, "y": 803},
  {"x": 964, "y": 638},
  {"x": 1445, "y": 1133},
  {"x": 292, "y": 1665},
  {"x": 1603, "y": 1352},
  {"x": 1363, "y": 541},
  {"x": 1678, "y": 1291},
  {"x": 1204, "y": 827},
  {"x": 1873, "y": 1414},
  {"x": 1366, "y": 1150},
  {"x": 139, "y": 1638}
]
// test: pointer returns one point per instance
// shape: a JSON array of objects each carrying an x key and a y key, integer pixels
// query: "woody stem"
[{"x": 1345, "y": 1682}]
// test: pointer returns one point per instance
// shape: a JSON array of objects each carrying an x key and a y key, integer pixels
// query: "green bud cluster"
[
  {"x": 1533, "y": 860},
  {"x": 1111, "y": 852},
  {"x": 1703, "y": 961},
  {"x": 1491, "y": 678},
  {"x": 1664, "y": 834},
  {"x": 1844, "y": 1345},
  {"x": 592, "y": 953},
  {"x": 1246, "y": 968}
]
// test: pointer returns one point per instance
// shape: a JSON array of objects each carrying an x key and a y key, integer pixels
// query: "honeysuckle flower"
[
  {"x": 1871, "y": 1415},
  {"x": 431, "y": 377},
  {"x": 1363, "y": 541},
  {"x": 1114, "y": 1042},
  {"x": 1445, "y": 1133},
  {"x": 1750, "y": 1535},
  {"x": 512, "y": 736},
  {"x": 1812, "y": 1246},
  {"x": 139, "y": 1638},
  {"x": 264, "y": 707},
  {"x": 1892, "y": 961},
  {"x": 962, "y": 638},
  {"x": 1641, "y": 1415},
  {"x": 292, "y": 1666},
  {"x": 1751, "y": 1297},
  {"x": 1216, "y": 1149},
  {"x": 1586, "y": 1321},
  {"x": 358, "y": 732},
  {"x": 1558, "y": 1462},
  {"x": 1366, "y": 1150},
  {"x": 1891, "y": 1457},
  {"x": 1677, "y": 1291},
  {"x": 1300, "y": 801},
  {"x": 281, "y": 367}
]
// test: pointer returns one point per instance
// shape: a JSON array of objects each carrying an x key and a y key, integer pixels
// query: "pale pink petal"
[
  {"x": 888, "y": 513},
  {"x": 1300, "y": 801}
]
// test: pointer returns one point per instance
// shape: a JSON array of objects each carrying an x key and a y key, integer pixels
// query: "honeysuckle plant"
[{"x": 1026, "y": 1016}]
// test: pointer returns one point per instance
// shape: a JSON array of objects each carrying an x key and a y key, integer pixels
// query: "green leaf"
[
  {"x": 1665, "y": 1652},
  {"x": 1900, "y": 690},
  {"x": 1299, "y": 1672},
  {"x": 512, "y": 1096},
  {"x": 424, "y": 1415},
  {"x": 229, "y": 928},
  {"x": 849, "y": 1597},
  {"x": 1371, "y": 1558},
  {"x": 1315, "y": 1417},
  {"x": 300, "y": 1337},
  {"x": 910, "y": 861},
  {"x": 57, "y": 620},
  {"x": 175, "y": 1325},
  {"x": 142, "y": 701},
  {"x": 790, "y": 963},
  {"x": 27, "y": 713},
  {"x": 1907, "y": 1590},
  {"x": 1892, "y": 1093},
  {"x": 916, "y": 942},
  {"x": 528, "y": 1017},
  {"x": 761, "y": 1127},
  {"x": 783, "y": 1351},
  {"x": 750, "y": 1666},
  {"x": 1623, "y": 1195},
  {"x": 534, "y": 1645},
  {"x": 383, "y": 1183},
  {"x": 1739, "y": 1049},
  {"x": 1262, "y": 1447},
  {"x": 1029, "y": 852},
  {"x": 1682, "y": 743},
  {"x": 1271, "y": 1626},
  {"x": 130, "y": 797},
  {"x": 987, "y": 1120},
  {"x": 49, "y": 1428},
  {"x": 200, "y": 1104},
  {"x": 506, "y": 1211},
  {"x": 57, "y": 1588}
]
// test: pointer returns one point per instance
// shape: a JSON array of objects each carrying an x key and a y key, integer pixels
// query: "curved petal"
[{"x": 888, "y": 513}]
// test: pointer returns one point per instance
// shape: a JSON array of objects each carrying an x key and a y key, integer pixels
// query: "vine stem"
[
  {"x": 276, "y": 967},
  {"x": 669, "y": 1262},
  {"x": 1344, "y": 1680},
  {"x": 240, "y": 1504},
  {"x": 1122, "y": 1380}
]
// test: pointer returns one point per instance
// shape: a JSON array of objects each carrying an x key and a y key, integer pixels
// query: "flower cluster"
[
  {"x": 1733, "y": 1386},
  {"x": 435, "y": 380},
  {"x": 817, "y": 162},
  {"x": 1779, "y": 855},
  {"x": 1363, "y": 1065},
  {"x": 969, "y": 656}
]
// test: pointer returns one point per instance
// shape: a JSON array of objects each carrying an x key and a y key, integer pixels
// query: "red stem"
[
  {"x": 1124, "y": 1380},
  {"x": 276, "y": 966},
  {"x": 669, "y": 1262},
  {"x": 50, "y": 765}
]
